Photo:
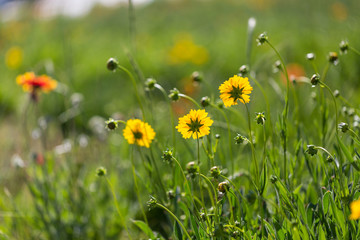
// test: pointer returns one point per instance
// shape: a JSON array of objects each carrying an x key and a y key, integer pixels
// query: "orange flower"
[{"x": 31, "y": 83}]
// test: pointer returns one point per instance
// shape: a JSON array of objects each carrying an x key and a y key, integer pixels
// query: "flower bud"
[
  {"x": 111, "y": 124},
  {"x": 151, "y": 203},
  {"x": 336, "y": 93},
  {"x": 277, "y": 66},
  {"x": 220, "y": 103},
  {"x": 205, "y": 101},
  {"x": 239, "y": 139},
  {"x": 315, "y": 79},
  {"x": 112, "y": 64},
  {"x": 171, "y": 194},
  {"x": 174, "y": 95},
  {"x": 223, "y": 187},
  {"x": 310, "y": 56},
  {"x": 262, "y": 38},
  {"x": 273, "y": 179},
  {"x": 215, "y": 172},
  {"x": 192, "y": 168},
  {"x": 344, "y": 127},
  {"x": 260, "y": 118},
  {"x": 217, "y": 136},
  {"x": 333, "y": 58},
  {"x": 311, "y": 150},
  {"x": 101, "y": 171},
  {"x": 344, "y": 46},
  {"x": 243, "y": 70},
  {"x": 150, "y": 83},
  {"x": 167, "y": 156},
  {"x": 196, "y": 77}
]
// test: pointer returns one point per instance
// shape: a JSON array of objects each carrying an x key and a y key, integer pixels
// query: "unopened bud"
[
  {"x": 333, "y": 58},
  {"x": 262, "y": 38},
  {"x": 315, "y": 79},
  {"x": 223, "y": 187},
  {"x": 310, "y": 56},
  {"x": 112, "y": 64},
  {"x": 174, "y": 95},
  {"x": 205, "y": 101}
]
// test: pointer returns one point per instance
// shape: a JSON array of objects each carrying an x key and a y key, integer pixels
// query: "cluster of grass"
[{"x": 284, "y": 165}]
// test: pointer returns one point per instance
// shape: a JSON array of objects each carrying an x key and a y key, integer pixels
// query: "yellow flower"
[
  {"x": 196, "y": 123},
  {"x": 138, "y": 132},
  {"x": 355, "y": 210},
  {"x": 14, "y": 57},
  {"x": 236, "y": 88}
]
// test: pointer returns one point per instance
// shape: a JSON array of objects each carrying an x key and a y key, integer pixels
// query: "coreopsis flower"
[
  {"x": 30, "y": 82},
  {"x": 355, "y": 210},
  {"x": 196, "y": 124},
  {"x": 138, "y": 132},
  {"x": 236, "y": 88}
]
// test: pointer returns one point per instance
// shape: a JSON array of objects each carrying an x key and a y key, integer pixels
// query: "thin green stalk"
[
  {"x": 136, "y": 185},
  {"x": 135, "y": 87},
  {"x": 117, "y": 206},
  {"x": 176, "y": 219},
  {"x": 334, "y": 99},
  {"x": 171, "y": 114},
  {"x": 229, "y": 137},
  {"x": 354, "y": 50},
  {"x": 215, "y": 196},
  {"x": 253, "y": 148},
  {"x": 157, "y": 171},
  {"x": 286, "y": 110},
  {"x": 354, "y": 133},
  {"x": 189, "y": 98}
]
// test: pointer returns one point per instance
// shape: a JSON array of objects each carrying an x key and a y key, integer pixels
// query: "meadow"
[{"x": 182, "y": 120}]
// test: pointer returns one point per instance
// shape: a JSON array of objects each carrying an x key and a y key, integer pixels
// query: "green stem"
[
  {"x": 229, "y": 137},
  {"x": 334, "y": 99},
  {"x": 354, "y": 50},
  {"x": 215, "y": 196},
  {"x": 189, "y": 98},
  {"x": 286, "y": 109},
  {"x": 136, "y": 186},
  {"x": 135, "y": 87},
  {"x": 182, "y": 226},
  {"x": 171, "y": 114},
  {"x": 253, "y": 148},
  {"x": 132, "y": 25},
  {"x": 117, "y": 206}
]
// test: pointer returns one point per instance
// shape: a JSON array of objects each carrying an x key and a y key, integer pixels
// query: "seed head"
[
  {"x": 344, "y": 46},
  {"x": 196, "y": 77},
  {"x": 260, "y": 118},
  {"x": 174, "y": 94},
  {"x": 273, "y": 179},
  {"x": 168, "y": 156},
  {"x": 336, "y": 93},
  {"x": 151, "y": 203},
  {"x": 217, "y": 136},
  {"x": 112, "y": 64},
  {"x": 277, "y": 66},
  {"x": 205, "y": 101},
  {"x": 344, "y": 127},
  {"x": 243, "y": 70},
  {"x": 192, "y": 168},
  {"x": 333, "y": 58},
  {"x": 215, "y": 172},
  {"x": 239, "y": 139},
  {"x": 311, "y": 150},
  {"x": 262, "y": 38},
  {"x": 310, "y": 56},
  {"x": 223, "y": 187},
  {"x": 111, "y": 124},
  {"x": 150, "y": 83},
  {"x": 101, "y": 171},
  {"x": 315, "y": 79}
]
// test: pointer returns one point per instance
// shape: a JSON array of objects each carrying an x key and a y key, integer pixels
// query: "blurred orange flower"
[
  {"x": 32, "y": 83},
  {"x": 295, "y": 71}
]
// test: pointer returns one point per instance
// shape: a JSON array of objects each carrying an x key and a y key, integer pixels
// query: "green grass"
[{"x": 64, "y": 199}]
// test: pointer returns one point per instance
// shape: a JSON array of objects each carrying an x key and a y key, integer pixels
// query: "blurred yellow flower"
[
  {"x": 355, "y": 210},
  {"x": 185, "y": 50},
  {"x": 339, "y": 11},
  {"x": 14, "y": 57},
  {"x": 138, "y": 132},
  {"x": 236, "y": 88},
  {"x": 195, "y": 124},
  {"x": 31, "y": 83}
]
